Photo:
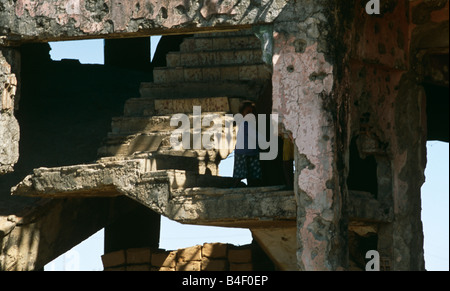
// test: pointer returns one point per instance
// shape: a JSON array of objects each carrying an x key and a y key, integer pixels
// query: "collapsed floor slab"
[{"x": 182, "y": 196}]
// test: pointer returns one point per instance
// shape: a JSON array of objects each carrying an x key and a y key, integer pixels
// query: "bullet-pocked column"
[{"x": 302, "y": 84}]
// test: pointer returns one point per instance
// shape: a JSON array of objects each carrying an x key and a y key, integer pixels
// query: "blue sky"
[{"x": 435, "y": 197}]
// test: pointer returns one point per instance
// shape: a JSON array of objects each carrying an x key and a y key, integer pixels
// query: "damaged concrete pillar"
[
  {"x": 9, "y": 127},
  {"x": 302, "y": 84}
]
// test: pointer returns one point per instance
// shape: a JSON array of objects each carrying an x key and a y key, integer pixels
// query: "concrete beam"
[
  {"x": 28, "y": 20},
  {"x": 179, "y": 195}
]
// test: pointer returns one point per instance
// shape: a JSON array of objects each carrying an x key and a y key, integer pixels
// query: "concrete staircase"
[{"x": 215, "y": 71}]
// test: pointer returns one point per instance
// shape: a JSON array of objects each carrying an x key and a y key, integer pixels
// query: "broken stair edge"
[{"x": 179, "y": 195}]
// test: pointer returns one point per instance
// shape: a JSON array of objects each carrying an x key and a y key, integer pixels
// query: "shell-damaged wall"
[
  {"x": 9, "y": 127},
  {"x": 384, "y": 108},
  {"x": 340, "y": 76},
  {"x": 66, "y": 19}
]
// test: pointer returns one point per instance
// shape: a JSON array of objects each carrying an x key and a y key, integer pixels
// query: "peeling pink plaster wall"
[{"x": 299, "y": 101}]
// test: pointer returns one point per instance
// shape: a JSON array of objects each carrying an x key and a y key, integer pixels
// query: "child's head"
[{"x": 246, "y": 108}]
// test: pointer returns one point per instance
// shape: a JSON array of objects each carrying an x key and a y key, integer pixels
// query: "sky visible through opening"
[{"x": 435, "y": 196}]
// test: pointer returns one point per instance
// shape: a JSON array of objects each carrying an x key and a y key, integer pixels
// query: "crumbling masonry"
[{"x": 86, "y": 147}]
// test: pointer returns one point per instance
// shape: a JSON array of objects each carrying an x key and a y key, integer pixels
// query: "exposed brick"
[
  {"x": 214, "y": 250},
  {"x": 113, "y": 259},
  {"x": 138, "y": 256},
  {"x": 189, "y": 266},
  {"x": 240, "y": 254},
  {"x": 190, "y": 254},
  {"x": 214, "y": 265},
  {"x": 164, "y": 259}
]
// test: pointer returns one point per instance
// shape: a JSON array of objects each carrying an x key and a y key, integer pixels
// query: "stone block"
[
  {"x": 164, "y": 259},
  {"x": 239, "y": 42},
  {"x": 189, "y": 266},
  {"x": 193, "y": 74},
  {"x": 240, "y": 254},
  {"x": 159, "y": 76},
  {"x": 211, "y": 74},
  {"x": 214, "y": 265},
  {"x": 190, "y": 59},
  {"x": 221, "y": 43},
  {"x": 247, "y": 73},
  {"x": 203, "y": 44},
  {"x": 226, "y": 57},
  {"x": 175, "y": 75},
  {"x": 173, "y": 60},
  {"x": 214, "y": 250},
  {"x": 114, "y": 259},
  {"x": 206, "y": 58},
  {"x": 138, "y": 256},
  {"x": 190, "y": 254},
  {"x": 229, "y": 73}
]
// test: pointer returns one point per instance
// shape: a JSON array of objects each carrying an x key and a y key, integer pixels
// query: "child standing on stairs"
[{"x": 246, "y": 154}]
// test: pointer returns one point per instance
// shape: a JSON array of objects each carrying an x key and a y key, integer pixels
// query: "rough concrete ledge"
[
  {"x": 65, "y": 20},
  {"x": 180, "y": 195}
]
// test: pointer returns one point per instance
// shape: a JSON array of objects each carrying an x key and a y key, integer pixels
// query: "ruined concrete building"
[{"x": 86, "y": 147}]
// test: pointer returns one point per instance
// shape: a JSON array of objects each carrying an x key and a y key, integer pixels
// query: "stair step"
[
  {"x": 154, "y": 124},
  {"x": 207, "y": 42},
  {"x": 157, "y": 161},
  {"x": 126, "y": 145},
  {"x": 200, "y": 160},
  {"x": 217, "y": 57},
  {"x": 151, "y": 107},
  {"x": 218, "y": 73},
  {"x": 249, "y": 89},
  {"x": 215, "y": 104},
  {"x": 131, "y": 144}
]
